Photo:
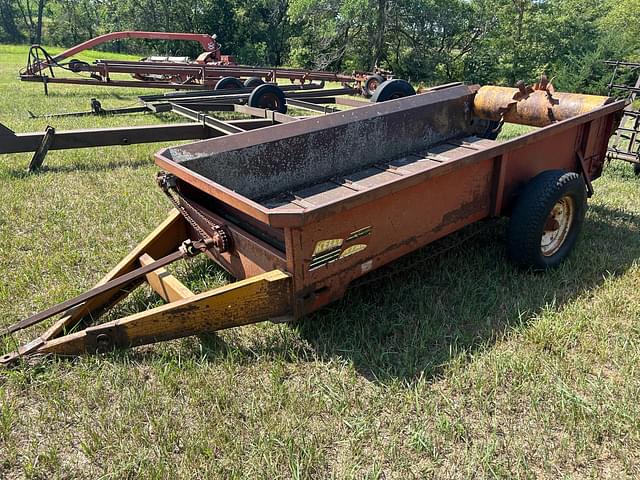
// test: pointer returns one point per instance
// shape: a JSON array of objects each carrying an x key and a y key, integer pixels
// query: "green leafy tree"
[
  {"x": 9, "y": 29},
  {"x": 620, "y": 26},
  {"x": 430, "y": 41}
]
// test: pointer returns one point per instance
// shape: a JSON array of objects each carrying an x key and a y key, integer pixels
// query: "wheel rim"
[
  {"x": 269, "y": 101},
  {"x": 372, "y": 85},
  {"x": 557, "y": 226}
]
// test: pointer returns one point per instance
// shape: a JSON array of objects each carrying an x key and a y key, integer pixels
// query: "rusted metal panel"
[
  {"x": 266, "y": 162},
  {"x": 550, "y": 153},
  {"x": 338, "y": 249},
  {"x": 340, "y": 187},
  {"x": 594, "y": 147}
]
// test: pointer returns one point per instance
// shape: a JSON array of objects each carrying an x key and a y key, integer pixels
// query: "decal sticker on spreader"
[
  {"x": 363, "y": 232},
  {"x": 324, "y": 246},
  {"x": 353, "y": 249},
  {"x": 330, "y": 250}
]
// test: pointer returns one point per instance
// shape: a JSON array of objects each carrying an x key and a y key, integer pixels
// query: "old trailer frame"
[
  {"x": 295, "y": 255},
  {"x": 199, "y": 109},
  {"x": 207, "y": 42}
]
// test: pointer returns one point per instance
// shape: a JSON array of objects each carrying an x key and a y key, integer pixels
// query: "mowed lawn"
[{"x": 458, "y": 366}]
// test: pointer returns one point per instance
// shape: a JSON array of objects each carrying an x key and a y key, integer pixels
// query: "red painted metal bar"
[{"x": 207, "y": 41}]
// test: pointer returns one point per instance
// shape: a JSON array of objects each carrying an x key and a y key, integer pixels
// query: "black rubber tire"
[
  {"x": 75, "y": 65},
  {"x": 371, "y": 84},
  {"x": 392, "y": 89},
  {"x": 268, "y": 96},
  {"x": 228, "y": 83},
  {"x": 253, "y": 82},
  {"x": 530, "y": 214},
  {"x": 493, "y": 130},
  {"x": 636, "y": 169}
]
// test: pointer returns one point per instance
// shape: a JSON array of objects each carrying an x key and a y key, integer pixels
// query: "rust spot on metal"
[
  {"x": 537, "y": 107},
  {"x": 467, "y": 209}
]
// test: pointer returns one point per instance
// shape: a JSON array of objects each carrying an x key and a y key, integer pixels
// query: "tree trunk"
[
  {"x": 517, "y": 41},
  {"x": 378, "y": 42},
  {"x": 25, "y": 11},
  {"x": 38, "y": 34}
]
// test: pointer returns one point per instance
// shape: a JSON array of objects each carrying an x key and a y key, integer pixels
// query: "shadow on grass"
[
  {"x": 99, "y": 166},
  {"x": 96, "y": 92},
  {"x": 411, "y": 324},
  {"x": 62, "y": 117}
]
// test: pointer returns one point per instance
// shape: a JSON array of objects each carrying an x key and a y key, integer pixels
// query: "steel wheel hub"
[
  {"x": 557, "y": 226},
  {"x": 269, "y": 102}
]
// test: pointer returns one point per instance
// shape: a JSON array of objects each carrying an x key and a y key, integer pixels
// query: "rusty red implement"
[
  {"x": 211, "y": 69},
  {"x": 301, "y": 209}
]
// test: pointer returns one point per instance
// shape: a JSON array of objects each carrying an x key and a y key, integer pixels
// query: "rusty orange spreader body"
[
  {"x": 330, "y": 199},
  {"x": 297, "y": 211}
]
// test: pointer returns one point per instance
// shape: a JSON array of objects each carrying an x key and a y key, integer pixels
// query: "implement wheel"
[
  {"x": 253, "y": 82},
  {"x": 392, "y": 89},
  {"x": 228, "y": 83},
  {"x": 371, "y": 84},
  {"x": 546, "y": 220},
  {"x": 269, "y": 97},
  {"x": 76, "y": 65}
]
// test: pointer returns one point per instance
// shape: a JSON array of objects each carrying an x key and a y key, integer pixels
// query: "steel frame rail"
[{"x": 203, "y": 125}]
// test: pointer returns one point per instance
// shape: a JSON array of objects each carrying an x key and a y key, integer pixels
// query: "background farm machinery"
[
  {"x": 262, "y": 106},
  {"x": 625, "y": 144},
  {"x": 210, "y": 70}
]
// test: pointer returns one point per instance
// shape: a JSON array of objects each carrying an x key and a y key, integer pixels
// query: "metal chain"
[
  {"x": 167, "y": 184},
  {"x": 220, "y": 239}
]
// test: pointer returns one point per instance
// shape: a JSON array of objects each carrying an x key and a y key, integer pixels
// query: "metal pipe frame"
[
  {"x": 625, "y": 145},
  {"x": 200, "y": 76},
  {"x": 204, "y": 126},
  {"x": 11, "y": 142}
]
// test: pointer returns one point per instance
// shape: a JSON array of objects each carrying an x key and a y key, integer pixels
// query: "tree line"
[{"x": 429, "y": 41}]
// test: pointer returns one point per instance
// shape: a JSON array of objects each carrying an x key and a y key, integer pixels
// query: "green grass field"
[{"x": 460, "y": 366}]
